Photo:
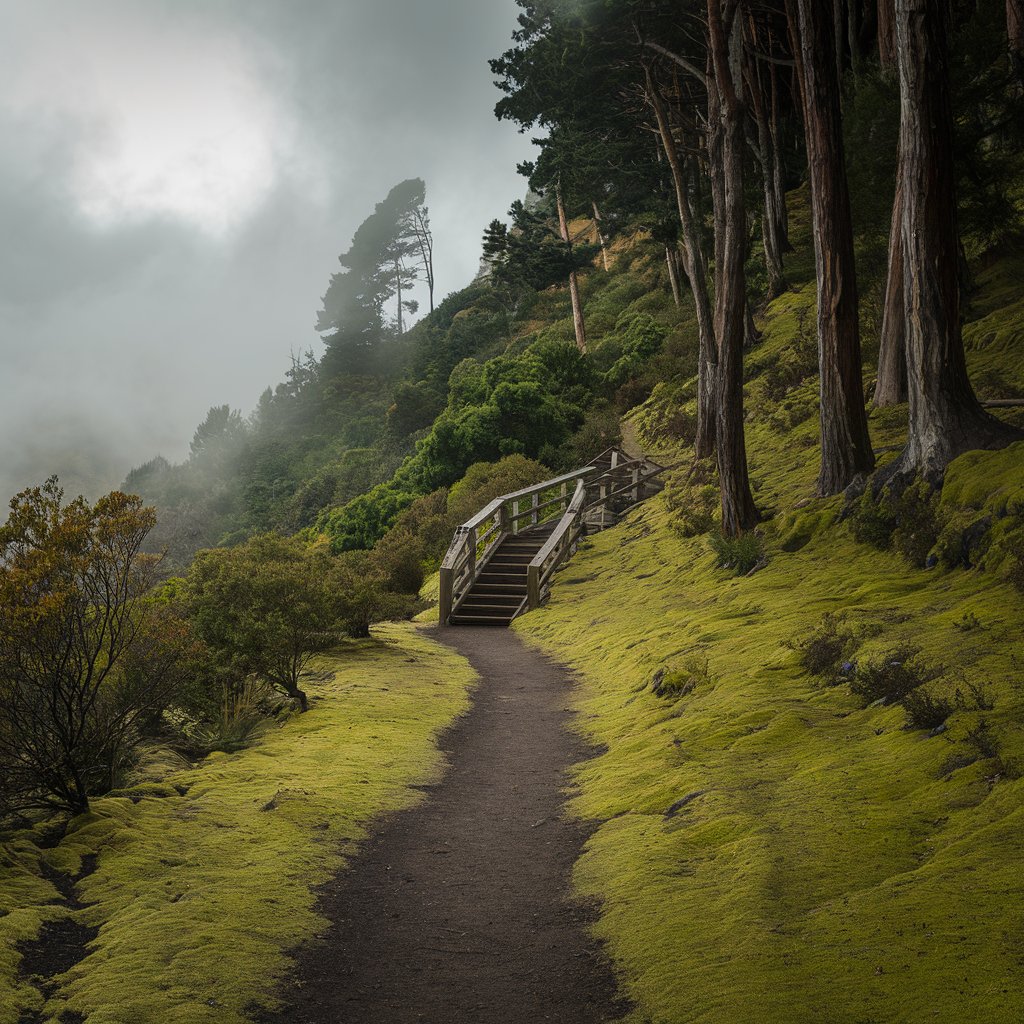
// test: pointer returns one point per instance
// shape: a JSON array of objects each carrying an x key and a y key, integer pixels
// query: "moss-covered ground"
[
  {"x": 821, "y": 860},
  {"x": 206, "y": 879}
]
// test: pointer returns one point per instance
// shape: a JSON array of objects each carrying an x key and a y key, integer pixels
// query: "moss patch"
[
  {"x": 198, "y": 896},
  {"x": 834, "y": 866}
]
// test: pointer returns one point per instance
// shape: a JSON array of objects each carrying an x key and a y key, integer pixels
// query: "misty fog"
[{"x": 177, "y": 180}]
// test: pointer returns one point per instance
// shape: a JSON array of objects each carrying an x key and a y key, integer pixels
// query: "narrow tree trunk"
[
  {"x": 891, "y": 387},
  {"x": 398, "y": 286},
  {"x": 673, "y": 274},
  {"x": 837, "y": 36},
  {"x": 887, "y": 35},
  {"x": 845, "y": 444},
  {"x": 778, "y": 171},
  {"x": 724, "y": 88},
  {"x": 945, "y": 416},
  {"x": 574, "y": 288},
  {"x": 771, "y": 216},
  {"x": 1015, "y": 36},
  {"x": 600, "y": 236},
  {"x": 695, "y": 266}
]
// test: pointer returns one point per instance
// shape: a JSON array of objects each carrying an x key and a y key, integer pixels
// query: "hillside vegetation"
[{"x": 195, "y": 881}]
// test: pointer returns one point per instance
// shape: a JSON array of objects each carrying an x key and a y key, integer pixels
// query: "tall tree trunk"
[
  {"x": 778, "y": 171},
  {"x": 891, "y": 387},
  {"x": 887, "y": 35},
  {"x": 1015, "y": 36},
  {"x": 600, "y": 236},
  {"x": 574, "y": 288},
  {"x": 837, "y": 36},
  {"x": 696, "y": 266},
  {"x": 771, "y": 217},
  {"x": 724, "y": 88},
  {"x": 945, "y": 416},
  {"x": 673, "y": 274},
  {"x": 845, "y": 444},
  {"x": 398, "y": 287}
]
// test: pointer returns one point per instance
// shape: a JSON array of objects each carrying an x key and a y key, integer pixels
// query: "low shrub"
[
  {"x": 678, "y": 682},
  {"x": 873, "y": 521},
  {"x": 825, "y": 651},
  {"x": 693, "y": 500},
  {"x": 891, "y": 677},
  {"x": 925, "y": 711},
  {"x": 744, "y": 553}
]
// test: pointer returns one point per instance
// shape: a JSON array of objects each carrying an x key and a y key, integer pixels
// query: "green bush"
[
  {"x": 743, "y": 553},
  {"x": 923, "y": 711},
  {"x": 892, "y": 676},
  {"x": 826, "y": 651},
  {"x": 678, "y": 682}
]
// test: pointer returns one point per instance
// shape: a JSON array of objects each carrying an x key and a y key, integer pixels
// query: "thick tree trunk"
[
  {"x": 724, "y": 87},
  {"x": 845, "y": 444},
  {"x": 574, "y": 288},
  {"x": 673, "y": 274},
  {"x": 891, "y": 387},
  {"x": 695, "y": 265},
  {"x": 945, "y": 416},
  {"x": 887, "y": 35}
]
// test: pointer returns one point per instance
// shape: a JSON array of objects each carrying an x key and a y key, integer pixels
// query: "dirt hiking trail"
[{"x": 458, "y": 911}]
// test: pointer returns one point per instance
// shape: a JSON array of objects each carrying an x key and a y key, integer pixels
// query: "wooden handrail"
[{"x": 472, "y": 547}]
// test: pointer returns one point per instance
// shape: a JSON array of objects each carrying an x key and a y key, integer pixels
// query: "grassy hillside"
[
  {"x": 205, "y": 876},
  {"x": 774, "y": 846}
]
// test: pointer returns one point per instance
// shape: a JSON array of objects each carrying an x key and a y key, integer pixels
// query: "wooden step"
[{"x": 458, "y": 619}]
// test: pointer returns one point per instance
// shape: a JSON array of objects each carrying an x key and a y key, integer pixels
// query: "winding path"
[{"x": 458, "y": 911}]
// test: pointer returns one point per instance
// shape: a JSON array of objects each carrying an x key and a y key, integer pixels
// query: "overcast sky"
[{"x": 177, "y": 179}]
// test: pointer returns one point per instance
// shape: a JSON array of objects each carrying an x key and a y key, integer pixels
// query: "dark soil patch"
[
  {"x": 458, "y": 911},
  {"x": 60, "y": 944}
]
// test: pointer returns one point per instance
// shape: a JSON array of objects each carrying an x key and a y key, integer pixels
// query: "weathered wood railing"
[
  {"x": 476, "y": 539},
  {"x": 622, "y": 486},
  {"x": 599, "y": 496}
]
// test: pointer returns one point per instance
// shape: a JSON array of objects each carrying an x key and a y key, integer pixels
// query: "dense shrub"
[
  {"x": 826, "y": 651},
  {"x": 892, "y": 676},
  {"x": 692, "y": 498},
  {"x": 743, "y": 553},
  {"x": 923, "y": 711}
]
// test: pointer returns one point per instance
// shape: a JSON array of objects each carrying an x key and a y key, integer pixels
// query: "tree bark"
[
  {"x": 1015, "y": 36},
  {"x": 600, "y": 236},
  {"x": 845, "y": 444},
  {"x": 574, "y": 288},
  {"x": 891, "y": 387},
  {"x": 695, "y": 265},
  {"x": 946, "y": 418},
  {"x": 778, "y": 171},
  {"x": 725, "y": 106},
  {"x": 771, "y": 217},
  {"x": 673, "y": 274},
  {"x": 887, "y": 35}
]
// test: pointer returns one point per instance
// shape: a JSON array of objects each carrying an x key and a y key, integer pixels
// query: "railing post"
[
  {"x": 504, "y": 525},
  {"x": 565, "y": 495},
  {"x": 471, "y": 556},
  {"x": 636, "y": 484},
  {"x": 533, "y": 586},
  {"x": 534, "y": 502},
  {"x": 445, "y": 598},
  {"x": 515, "y": 516},
  {"x": 615, "y": 458}
]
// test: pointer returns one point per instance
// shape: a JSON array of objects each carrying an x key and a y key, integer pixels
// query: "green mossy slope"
[
  {"x": 199, "y": 894},
  {"x": 835, "y": 867},
  {"x": 826, "y": 863}
]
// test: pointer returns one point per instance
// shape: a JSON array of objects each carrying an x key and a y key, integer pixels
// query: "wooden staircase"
[
  {"x": 501, "y": 561},
  {"x": 499, "y": 592}
]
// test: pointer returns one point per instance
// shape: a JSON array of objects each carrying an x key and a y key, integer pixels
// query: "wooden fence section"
[{"x": 554, "y": 514}]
